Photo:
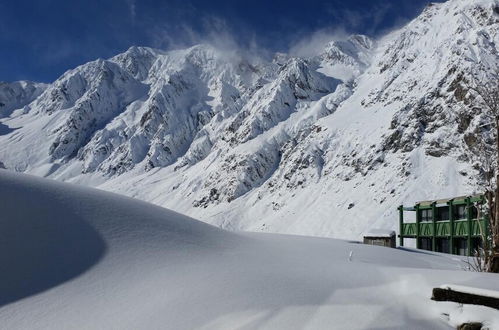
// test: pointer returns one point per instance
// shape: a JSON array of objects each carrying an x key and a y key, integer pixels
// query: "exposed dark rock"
[
  {"x": 458, "y": 88},
  {"x": 464, "y": 121},
  {"x": 470, "y": 140},
  {"x": 470, "y": 326}
]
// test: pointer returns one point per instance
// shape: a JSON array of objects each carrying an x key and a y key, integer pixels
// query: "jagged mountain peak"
[
  {"x": 137, "y": 60},
  {"x": 350, "y": 45},
  {"x": 18, "y": 94},
  {"x": 246, "y": 143},
  {"x": 346, "y": 58}
]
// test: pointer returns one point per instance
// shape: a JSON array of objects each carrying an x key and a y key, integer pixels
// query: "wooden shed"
[{"x": 380, "y": 237}]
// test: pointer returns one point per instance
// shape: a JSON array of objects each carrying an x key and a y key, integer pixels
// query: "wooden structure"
[
  {"x": 465, "y": 297},
  {"x": 446, "y": 225},
  {"x": 380, "y": 237}
]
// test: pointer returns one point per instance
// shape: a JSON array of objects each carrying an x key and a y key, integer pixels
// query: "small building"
[
  {"x": 380, "y": 237},
  {"x": 452, "y": 225}
]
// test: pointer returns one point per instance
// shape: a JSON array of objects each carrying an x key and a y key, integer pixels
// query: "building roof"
[
  {"x": 446, "y": 200},
  {"x": 380, "y": 233}
]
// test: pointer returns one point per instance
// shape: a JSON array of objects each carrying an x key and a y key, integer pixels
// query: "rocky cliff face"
[
  {"x": 18, "y": 94},
  {"x": 326, "y": 145}
]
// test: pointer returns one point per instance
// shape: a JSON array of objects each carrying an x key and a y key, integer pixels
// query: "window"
[
  {"x": 442, "y": 245},
  {"x": 426, "y": 215},
  {"x": 461, "y": 246},
  {"x": 460, "y": 212},
  {"x": 474, "y": 212},
  {"x": 443, "y": 213},
  {"x": 425, "y": 244},
  {"x": 476, "y": 244}
]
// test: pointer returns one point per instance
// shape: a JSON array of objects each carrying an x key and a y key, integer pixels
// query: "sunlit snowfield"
[{"x": 75, "y": 257}]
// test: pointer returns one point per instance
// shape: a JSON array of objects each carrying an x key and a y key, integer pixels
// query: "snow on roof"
[
  {"x": 379, "y": 233},
  {"x": 445, "y": 200}
]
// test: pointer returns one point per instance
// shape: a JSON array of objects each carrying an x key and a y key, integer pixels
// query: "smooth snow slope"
[{"x": 79, "y": 258}]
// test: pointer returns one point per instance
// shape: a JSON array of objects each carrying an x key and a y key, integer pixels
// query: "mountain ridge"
[{"x": 348, "y": 133}]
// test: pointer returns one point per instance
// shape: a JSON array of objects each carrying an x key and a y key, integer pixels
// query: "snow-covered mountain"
[
  {"x": 327, "y": 145},
  {"x": 18, "y": 94}
]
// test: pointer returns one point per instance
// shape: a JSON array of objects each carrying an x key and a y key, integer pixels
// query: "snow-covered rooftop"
[{"x": 379, "y": 233}]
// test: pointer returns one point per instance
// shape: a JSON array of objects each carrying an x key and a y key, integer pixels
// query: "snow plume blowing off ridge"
[
  {"x": 217, "y": 35},
  {"x": 327, "y": 142}
]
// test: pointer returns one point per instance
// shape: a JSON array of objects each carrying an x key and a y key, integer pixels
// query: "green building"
[{"x": 446, "y": 225}]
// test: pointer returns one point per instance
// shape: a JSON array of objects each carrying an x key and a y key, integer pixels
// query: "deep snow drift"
[{"x": 75, "y": 257}]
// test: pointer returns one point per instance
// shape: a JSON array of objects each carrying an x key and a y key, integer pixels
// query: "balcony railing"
[{"x": 443, "y": 228}]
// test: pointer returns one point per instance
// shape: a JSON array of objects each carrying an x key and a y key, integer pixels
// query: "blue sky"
[{"x": 40, "y": 39}]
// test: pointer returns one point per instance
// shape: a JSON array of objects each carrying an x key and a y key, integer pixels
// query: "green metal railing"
[
  {"x": 443, "y": 228},
  {"x": 468, "y": 228}
]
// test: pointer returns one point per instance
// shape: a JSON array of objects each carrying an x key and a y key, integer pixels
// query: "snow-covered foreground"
[{"x": 74, "y": 257}]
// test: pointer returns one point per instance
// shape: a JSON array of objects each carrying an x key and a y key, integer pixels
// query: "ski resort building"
[{"x": 451, "y": 225}]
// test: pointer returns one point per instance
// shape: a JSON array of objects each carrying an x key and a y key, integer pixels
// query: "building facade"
[{"x": 452, "y": 225}]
